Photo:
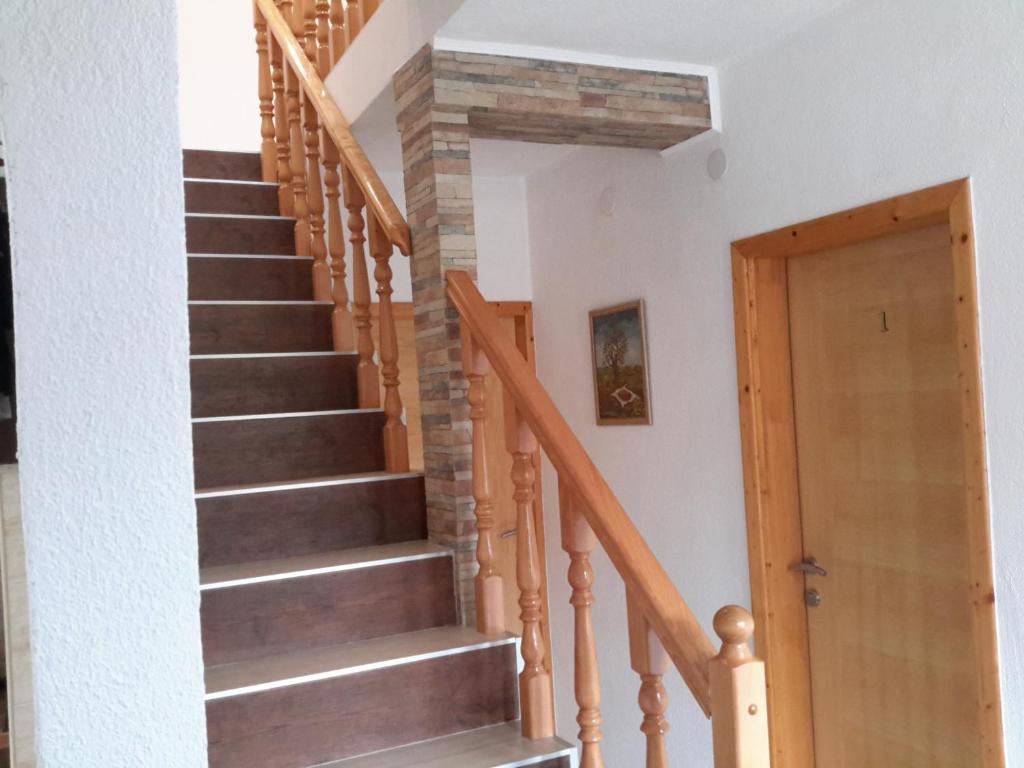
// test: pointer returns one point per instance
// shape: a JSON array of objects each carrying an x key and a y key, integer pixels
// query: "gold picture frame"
[{"x": 618, "y": 349}]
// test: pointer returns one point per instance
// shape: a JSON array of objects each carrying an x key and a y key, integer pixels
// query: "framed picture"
[{"x": 618, "y": 344}]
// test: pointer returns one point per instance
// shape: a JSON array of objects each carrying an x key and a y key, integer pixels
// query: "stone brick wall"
[{"x": 443, "y": 99}]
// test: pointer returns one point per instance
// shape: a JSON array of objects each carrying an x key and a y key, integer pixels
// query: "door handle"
[
  {"x": 510, "y": 534},
  {"x": 809, "y": 567}
]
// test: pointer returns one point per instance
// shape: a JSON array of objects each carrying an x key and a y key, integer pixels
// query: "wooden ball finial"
[{"x": 734, "y": 625}]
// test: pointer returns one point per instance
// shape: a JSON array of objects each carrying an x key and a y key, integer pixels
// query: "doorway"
[{"x": 866, "y": 487}]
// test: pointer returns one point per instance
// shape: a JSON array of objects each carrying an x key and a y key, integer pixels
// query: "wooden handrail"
[
  {"x": 660, "y": 602},
  {"x": 353, "y": 157}
]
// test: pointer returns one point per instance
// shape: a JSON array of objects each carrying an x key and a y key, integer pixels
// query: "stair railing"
[
  {"x": 308, "y": 149},
  {"x": 729, "y": 685}
]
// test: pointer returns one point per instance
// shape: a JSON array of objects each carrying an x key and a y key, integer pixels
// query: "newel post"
[{"x": 739, "y": 712}]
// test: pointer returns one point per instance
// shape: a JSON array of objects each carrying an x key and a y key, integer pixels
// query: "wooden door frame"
[{"x": 768, "y": 432}]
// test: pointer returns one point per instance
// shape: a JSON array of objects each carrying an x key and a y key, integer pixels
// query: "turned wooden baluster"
[
  {"x": 490, "y": 587},
  {"x": 285, "y": 196},
  {"x": 323, "y": 38},
  {"x": 367, "y": 372},
  {"x": 535, "y": 691},
  {"x": 353, "y": 21},
  {"x": 268, "y": 148},
  {"x": 739, "y": 712},
  {"x": 314, "y": 183},
  {"x": 296, "y": 146},
  {"x": 649, "y": 660},
  {"x": 396, "y": 439},
  {"x": 339, "y": 36},
  {"x": 341, "y": 319},
  {"x": 342, "y": 323},
  {"x": 579, "y": 541}
]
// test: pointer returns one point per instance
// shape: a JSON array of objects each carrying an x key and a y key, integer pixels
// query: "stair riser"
[
  {"x": 257, "y": 620},
  {"x": 283, "y": 449},
  {"x": 217, "y": 197},
  {"x": 268, "y": 526},
  {"x": 309, "y": 724},
  {"x": 225, "y": 329},
  {"x": 238, "y": 235},
  {"x": 236, "y": 166},
  {"x": 240, "y": 386},
  {"x": 213, "y": 279}
]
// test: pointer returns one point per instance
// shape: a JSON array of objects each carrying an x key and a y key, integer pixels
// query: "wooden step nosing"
[
  {"x": 269, "y": 355},
  {"x": 250, "y": 256},
  {"x": 300, "y": 573},
  {"x": 285, "y": 415},
  {"x": 558, "y": 748},
  {"x": 197, "y": 180},
  {"x": 301, "y": 485},
  {"x": 258, "y": 303},
  {"x": 245, "y": 216},
  {"x": 356, "y": 669}
]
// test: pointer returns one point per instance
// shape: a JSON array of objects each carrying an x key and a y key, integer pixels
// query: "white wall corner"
[{"x": 399, "y": 29}]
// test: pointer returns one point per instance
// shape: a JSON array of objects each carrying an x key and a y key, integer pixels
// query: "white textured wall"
[
  {"x": 218, "y": 75},
  {"x": 88, "y": 99},
  {"x": 880, "y": 99}
]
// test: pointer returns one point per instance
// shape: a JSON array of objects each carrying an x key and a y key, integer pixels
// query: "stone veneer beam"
[{"x": 444, "y": 98}]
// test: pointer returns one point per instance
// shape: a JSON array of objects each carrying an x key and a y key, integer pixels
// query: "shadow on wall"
[
  {"x": 8, "y": 409},
  {"x": 15, "y": 673}
]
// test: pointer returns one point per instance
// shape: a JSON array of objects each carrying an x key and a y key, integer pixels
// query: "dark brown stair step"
[
  {"x": 273, "y": 607},
  {"x": 496, "y": 745},
  {"x": 259, "y": 327},
  {"x": 263, "y": 522},
  {"x": 207, "y": 164},
  {"x": 253, "y": 198},
  {"x": 250, "y": 278},
  {"x": 217, "y": 233},
  {"x": 237, "y": 450},
  {"x": 236, "y": 385},
  {"x": 317, "y": 706}
]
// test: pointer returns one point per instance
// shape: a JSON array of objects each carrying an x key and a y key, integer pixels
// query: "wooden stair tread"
[
  {"x": 224, "y": 576},
  {"x": 498, "y": 746},
  {"x": 313, "y": 482},
  {"x": 268, "y": 673}
]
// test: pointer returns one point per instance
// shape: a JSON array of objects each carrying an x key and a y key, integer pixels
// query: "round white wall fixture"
[{"x": 718, "y": 164}]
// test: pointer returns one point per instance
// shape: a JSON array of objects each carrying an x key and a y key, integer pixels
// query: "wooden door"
[{"x": 876, "y": 392}]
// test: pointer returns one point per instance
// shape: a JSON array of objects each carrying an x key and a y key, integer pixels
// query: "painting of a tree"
[
  {"x": 614, "y": 349},
  {"x": 619, "y": 349}
]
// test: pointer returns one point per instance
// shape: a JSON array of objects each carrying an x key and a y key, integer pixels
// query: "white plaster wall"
[
  {"x": 880, "y": 99},
  {"x": 88, "y": 99},
  {"x": 399, "y": 28},
  {"x": 219, "y": 103}
]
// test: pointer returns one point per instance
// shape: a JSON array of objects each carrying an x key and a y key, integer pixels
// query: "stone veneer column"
[
  {"x": 444, "y": 97},
  {"x": 439, "y": 203}
]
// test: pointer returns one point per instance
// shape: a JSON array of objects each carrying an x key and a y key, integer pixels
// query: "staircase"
[{"x": 328, "y": 620}]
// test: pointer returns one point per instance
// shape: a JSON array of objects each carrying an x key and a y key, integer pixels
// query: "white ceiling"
[{"x": 707, "y": 32}]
